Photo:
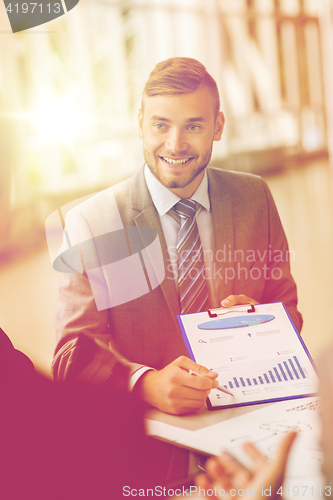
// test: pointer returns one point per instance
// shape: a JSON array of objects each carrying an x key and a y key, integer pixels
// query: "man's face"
[{"x": 178, "y": 133}]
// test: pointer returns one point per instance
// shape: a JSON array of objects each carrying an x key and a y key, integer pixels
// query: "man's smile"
[{"x": 176, "y": 161}]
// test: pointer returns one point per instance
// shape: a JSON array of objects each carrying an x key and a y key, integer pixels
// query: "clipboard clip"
[{"x": 221, "y": 311}]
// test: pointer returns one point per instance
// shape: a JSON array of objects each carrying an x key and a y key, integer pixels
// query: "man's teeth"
[{"x": 176, "y": 162}]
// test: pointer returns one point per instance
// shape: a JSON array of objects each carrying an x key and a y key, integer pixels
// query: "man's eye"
[
  {"x": 193, "y": 128},
  {"x": 160, "y": 126}
]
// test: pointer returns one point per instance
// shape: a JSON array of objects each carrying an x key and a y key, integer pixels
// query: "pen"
[{"x": 219, "y": 387}]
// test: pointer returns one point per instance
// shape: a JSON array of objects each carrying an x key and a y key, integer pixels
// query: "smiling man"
[
  {"x": 220, "y": 234},
  {"x": 178, "y": 132}
]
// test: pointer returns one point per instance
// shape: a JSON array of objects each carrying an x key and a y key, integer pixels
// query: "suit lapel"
[
  {"x": 147, "y": 215},
  {"x": 223, "y": 224}
]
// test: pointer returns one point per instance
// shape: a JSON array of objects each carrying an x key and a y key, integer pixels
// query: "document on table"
[
  {"x": 259, "y": 357},
  {"x": 265, "y": 427}
]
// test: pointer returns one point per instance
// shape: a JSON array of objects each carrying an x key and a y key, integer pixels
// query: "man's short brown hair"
[{"x": 180, "y": 75}]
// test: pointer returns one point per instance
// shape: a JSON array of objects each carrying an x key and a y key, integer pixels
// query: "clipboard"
[
  {"x": 259, "y": 362},
  {"x": 222, "y": 311}
]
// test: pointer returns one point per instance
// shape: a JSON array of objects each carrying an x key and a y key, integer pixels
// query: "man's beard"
[{"x": 177, "y": 179}]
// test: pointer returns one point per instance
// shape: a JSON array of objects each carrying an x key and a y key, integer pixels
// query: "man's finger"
[
  {"x": 202, "y": 482},
  {"x": 197, "y": 382},
  {"x": 191, "y": 393},
  {"x": 179, "y": 407},
  {"x": 218, "y": 473},
  {"x": 187, "y": 364},
  {"x": 284, "y": 449},
  {"x": 234, "y": 300},
  {"x": 233, "y": 468},
  {"x": 202, "y": 370},
  {"x": 256, "y": 456}
]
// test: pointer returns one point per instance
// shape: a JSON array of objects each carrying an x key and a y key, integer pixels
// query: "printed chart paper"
[
  {"x": 258, "y": 361},
  {"x": 265, "y": 427}
]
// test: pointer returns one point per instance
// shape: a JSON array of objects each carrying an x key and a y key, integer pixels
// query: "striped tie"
[{"x": 193, "y": 290}]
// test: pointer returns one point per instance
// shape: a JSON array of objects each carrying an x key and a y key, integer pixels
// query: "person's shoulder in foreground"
[{"x": 68, "y": 441}]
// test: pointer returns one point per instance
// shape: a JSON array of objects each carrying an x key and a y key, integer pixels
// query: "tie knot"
[{"x": 185, "y": 208}]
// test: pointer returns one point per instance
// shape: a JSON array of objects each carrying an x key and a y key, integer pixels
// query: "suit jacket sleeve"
[
  {"x": 76, "y": 313},
  {"x": 254, "y": 257},
  {"x": 280, "y": 285}
]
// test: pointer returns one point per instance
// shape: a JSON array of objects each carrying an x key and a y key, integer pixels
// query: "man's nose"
[{"x": 176, "y": 141}]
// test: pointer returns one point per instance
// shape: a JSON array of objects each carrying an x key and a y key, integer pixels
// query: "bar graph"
[
  {"x": 268, "y": 362},
  {"x": 289, "y": 370}
]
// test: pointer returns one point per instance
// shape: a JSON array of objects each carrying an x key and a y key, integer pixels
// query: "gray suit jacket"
[{"x": 251, "y": 257}]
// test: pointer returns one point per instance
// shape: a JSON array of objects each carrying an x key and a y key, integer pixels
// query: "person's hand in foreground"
[
  {"x": 235, "y": 300},
  {"x": 174, "y": 390},
  {"x": 225, "y": 473}
]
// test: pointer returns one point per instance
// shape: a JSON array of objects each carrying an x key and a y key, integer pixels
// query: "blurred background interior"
[{"x": 69, "y": 96}]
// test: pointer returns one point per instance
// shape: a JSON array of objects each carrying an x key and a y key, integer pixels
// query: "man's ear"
[
  {"x": 219, "y": 125},
  {"x": 140, "y": 122}
]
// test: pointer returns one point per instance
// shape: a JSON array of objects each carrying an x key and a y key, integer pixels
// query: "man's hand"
[
  {"x": 231, "y": 475},
  {"x": 234, "y": 300},
  {"x": 174, "y": 390}
]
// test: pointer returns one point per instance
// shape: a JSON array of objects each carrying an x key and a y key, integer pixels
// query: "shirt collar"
[{"x": 164, "y": 199}]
